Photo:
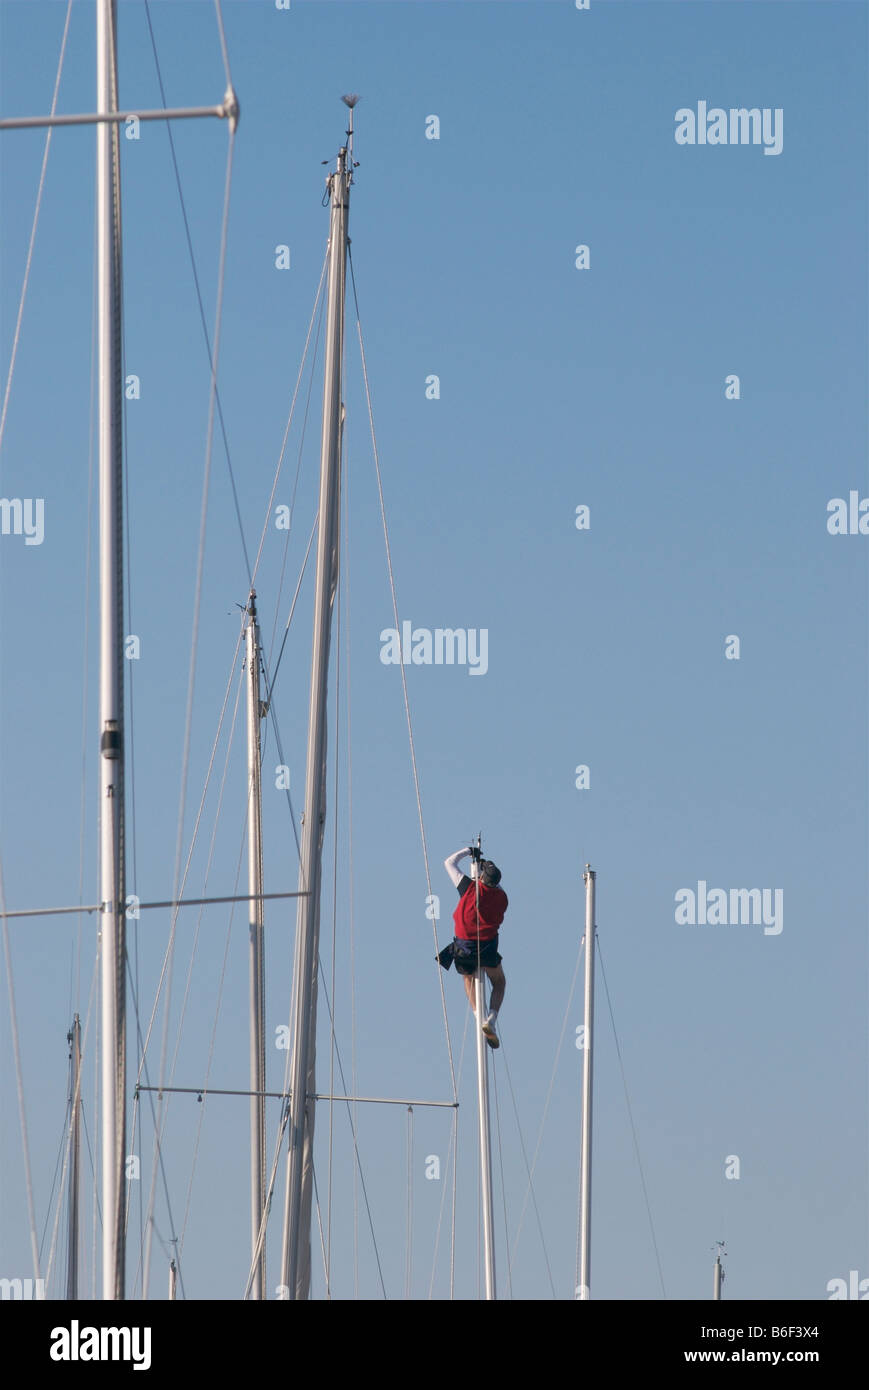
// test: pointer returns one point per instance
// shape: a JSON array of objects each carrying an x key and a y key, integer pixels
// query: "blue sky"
[{"x": 559, "y": 387}]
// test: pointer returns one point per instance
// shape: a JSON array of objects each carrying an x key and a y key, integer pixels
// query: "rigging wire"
[
  {"x": 213, "y": 1041},
  {"x": 96, "y": 1211},
  {"x": 548, "y": 1099},
  {"x": 280, "y": 463},
  {"x": 209, "y": 1063},
  {"x": 530, "y": 1172},
  {"x": 195, "y": 833},
  {"x": 207, "y": 875},
  {"x": 75, "y": 1101},
  {"x": 320, "y": 1229},
  {"x": 455, "y": 1143},
  {"x": 267, "y": 1204},
  {"x": 353, "y": 1129},
  {"x": 98, "y": 1217},
  {"x": 577, "y": 1270},
  {"x": 401, "y": 668},
  {"x": 196, "y": 280},
  {"x": 453, "y": 1213},
  {"x": 179, "y": 1240},
  {"x": 28, "y": 262},
  {"x": 188, "y": 720},
  {"x": 277, "y": 1152},
  {"x": 452, "y": 1148},
  {"x": 166, "y": 967},
  {"x": 28, "y": 1177},
  {"x": 270, "y": 684},
  {"x": 375, "y": 452},
  {"x": 501, "y": 1166},
  {"x": 211, "y": 852},
  {"x": 158, "y": 1160},
  {"x": 409, "y": 1256},
  {"x": 60, "y": 1152},
  {"x": 318, "y": 299},
  {"x": 416, "y": 777},
  {"x": 137, "y": 1129},
  {"x": 65, "y": 1149},
  {"x": 19, "y": 1080}
]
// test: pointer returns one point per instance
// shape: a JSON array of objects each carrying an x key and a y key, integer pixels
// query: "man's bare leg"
[
  {"x": 498, "y": 981},
  {"x": 470, "y": 990}
]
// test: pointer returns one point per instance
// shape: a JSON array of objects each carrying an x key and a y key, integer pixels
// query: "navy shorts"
[{"x": 466, "y": 955}]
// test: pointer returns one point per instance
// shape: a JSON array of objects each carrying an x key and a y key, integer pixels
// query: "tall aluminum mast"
[
  {"x": 111, "y": 763},
  {"x": 73, "y": 1037},
  {"x": 296, "y": 1257},
  {"x": 257, "y": 959},
  {"x": 483, "y": 1109},
  {"x": 485, "y": 1146},
  {"x": 112, "y": 876},
  {"x": 584, "y": 1290}
]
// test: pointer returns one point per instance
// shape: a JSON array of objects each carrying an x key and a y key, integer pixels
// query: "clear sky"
[{"x": 744, "y": 1048}]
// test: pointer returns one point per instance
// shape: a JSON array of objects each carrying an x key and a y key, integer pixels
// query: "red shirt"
[{"x": 493, "y": 905}]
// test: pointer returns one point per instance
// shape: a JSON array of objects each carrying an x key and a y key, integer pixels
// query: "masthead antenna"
[{"x": 350, "y": 99}]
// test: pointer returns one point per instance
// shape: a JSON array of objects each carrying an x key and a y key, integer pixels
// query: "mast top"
[{"x": 350, "y": 99}]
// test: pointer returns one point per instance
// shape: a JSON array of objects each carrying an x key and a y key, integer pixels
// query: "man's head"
[{"x": 489, "y": 873}]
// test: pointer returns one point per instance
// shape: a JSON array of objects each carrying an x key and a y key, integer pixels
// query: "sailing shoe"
[{"x": 489, "y": 1032}]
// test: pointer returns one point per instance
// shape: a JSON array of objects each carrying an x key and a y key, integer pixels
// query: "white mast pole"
[
  {"x": 584, "y": 1291},
  {"x": 485, "y": 1147},
  {"x": 111, "y": 762},
  {"x": 296, "y": 1255},
  {"x": 718, "y": 1272},
  {"x": 257, "y": 957},
  {"x": 74, "y": 1040},
  {"x": 483, "y": 1105}
]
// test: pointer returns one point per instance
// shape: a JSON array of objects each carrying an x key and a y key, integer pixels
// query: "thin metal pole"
[
  {"x": 584, "y": 1291},
  {"x": 717, "y": 1276},
  {"x": 228, "y": 110},
  {"x": 140, "y": 907},
  {"x": 74, "y": 1040},
  {"x": 111, "y": 762},
  {"x": 281, "y": 1095},
  {"x": 172, "y": 1280},
  {"x": 485, "y": 1147},
  {"x": 111, "y": 1044},
  {"x": 257, "y": 959},
  {"x": 296, "y": 1252},
  {"x": 408, "y": 1267}
]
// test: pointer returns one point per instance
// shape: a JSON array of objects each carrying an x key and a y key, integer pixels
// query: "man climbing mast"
[{"x": 482, "y": 904}]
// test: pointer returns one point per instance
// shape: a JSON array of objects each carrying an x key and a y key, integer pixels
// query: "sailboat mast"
[
  {"x": 257, "y": 959},
  {"x": 296, "y": 1255},
  {"x": 112, "y": 886},
  {"x": 485, "y": 1146},
  {"x": 584, "y": 1290},
  {"x": 73, "y": 1037}
]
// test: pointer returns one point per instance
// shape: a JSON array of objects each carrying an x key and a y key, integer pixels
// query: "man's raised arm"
[{"x": 452, "y": 866}]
